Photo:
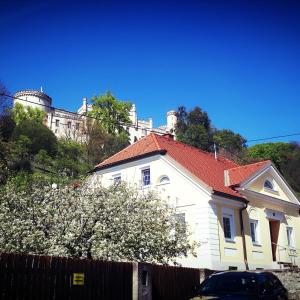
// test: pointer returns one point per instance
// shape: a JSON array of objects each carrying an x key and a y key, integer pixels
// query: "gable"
[{"x": 281, "y": 190}]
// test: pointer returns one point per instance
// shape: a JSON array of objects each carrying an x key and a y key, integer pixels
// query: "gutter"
[
  {"x": 120, "y": 162},
  {"x": 243, "y": 235}
]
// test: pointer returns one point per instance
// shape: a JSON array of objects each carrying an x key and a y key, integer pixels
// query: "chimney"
[{"x": 169, "y": 136}]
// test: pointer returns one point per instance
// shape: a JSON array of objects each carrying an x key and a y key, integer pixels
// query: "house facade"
[{"x": 242, "y": 217}]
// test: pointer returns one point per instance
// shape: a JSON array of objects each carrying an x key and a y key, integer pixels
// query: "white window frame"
[
  {"x": 166, "y": 181},
  {"x": 229, "y": 213},
  {"x": 290, "y": 236},
  {"x": 142, "y": 176},
  {"x": 272, "y": 181},
  {"x": 256, "y": 232}
]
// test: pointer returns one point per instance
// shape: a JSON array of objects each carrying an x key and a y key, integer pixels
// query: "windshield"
[{"x": 231, "y": 284}]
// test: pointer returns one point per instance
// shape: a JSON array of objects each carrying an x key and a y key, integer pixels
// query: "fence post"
[{"x": 135, "y": 281}]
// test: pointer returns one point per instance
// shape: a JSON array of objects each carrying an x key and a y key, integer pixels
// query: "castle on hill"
[{"x": 70, "y": 125}]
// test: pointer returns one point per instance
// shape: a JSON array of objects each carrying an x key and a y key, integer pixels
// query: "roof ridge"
[
  {"x": 193, "y": 148},
  {"x": 243, "y": 166},
  {"x": 155, "y": 140},
  {"x": 123, "y": 150}
]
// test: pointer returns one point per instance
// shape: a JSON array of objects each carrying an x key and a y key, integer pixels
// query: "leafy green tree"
[
  {"x": 22, "y": 113},
  {"x": 100, "y": 145},
  {"x": 286, "y": 157},
  {"x": 5, "y": 100},
  {"x": 40, "y": 136},
  {"x": 274, "y": 151},
  {"x": 70, "y": 159},
  {"x": 194, "y": 128},
  {"x": 229, "y": 141},
  {"x": 111, "y": 113},
  {"x": 118, "y": 223}
]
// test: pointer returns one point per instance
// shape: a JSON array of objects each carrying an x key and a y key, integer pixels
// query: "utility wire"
[{"x": 138, "y": 126}]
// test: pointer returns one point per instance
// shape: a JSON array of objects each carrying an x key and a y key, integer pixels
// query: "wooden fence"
[
  {"x": 33, "y": 277},
  {"x": 43, "y": 277},
  {"x": 173, "y": 283}
]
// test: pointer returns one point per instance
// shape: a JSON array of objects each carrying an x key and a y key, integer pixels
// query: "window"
[
  {"x": 227, "y": 228},
  {"x": 56, "y": 123},
  {"x": 228, "y": 224},
  {"x": 254, "y": 231},
  {"x": 77, "y": 126},
  {"x": 181, "y": 218},
  {"x": 69, "y": 125},
  {"x": 289, "y": 232},
  {"x": 268, "y": 185},
  {"x": 164, "y": 179},
  {"x": 117, "y": 179},
  {"x": 146, "y": 177}
]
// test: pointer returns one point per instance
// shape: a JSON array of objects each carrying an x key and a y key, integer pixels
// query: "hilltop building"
[{"x": 67, "y": 124}]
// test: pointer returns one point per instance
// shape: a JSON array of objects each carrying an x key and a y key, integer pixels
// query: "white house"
[{"x": 242, "y": 216}]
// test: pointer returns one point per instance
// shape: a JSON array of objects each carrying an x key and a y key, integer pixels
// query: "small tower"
[
  {"x": 33, "y": 98},
  {"x": 133, "y": 115},
  {"x": 171, "y": 121}
]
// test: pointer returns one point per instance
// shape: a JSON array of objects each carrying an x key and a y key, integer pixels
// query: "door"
[{"x": 274, "y": 232}]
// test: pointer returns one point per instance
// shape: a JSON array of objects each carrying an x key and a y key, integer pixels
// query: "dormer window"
[{"x": 268, "y": 184}]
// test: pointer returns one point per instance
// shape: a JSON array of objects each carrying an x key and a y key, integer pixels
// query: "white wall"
[{"x": 184, "y": 192}]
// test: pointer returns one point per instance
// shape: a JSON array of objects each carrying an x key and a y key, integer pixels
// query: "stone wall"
[{"x": 291, "y": 281}]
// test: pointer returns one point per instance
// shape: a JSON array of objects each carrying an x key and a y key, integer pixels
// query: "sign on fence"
[{"x": 78, "y": 278}]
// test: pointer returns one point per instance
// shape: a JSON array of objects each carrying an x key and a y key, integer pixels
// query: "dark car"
[{"x": 241, "y": 285}]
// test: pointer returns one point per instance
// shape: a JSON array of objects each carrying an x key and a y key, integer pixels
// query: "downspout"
[{"x": 243, "y": 235}]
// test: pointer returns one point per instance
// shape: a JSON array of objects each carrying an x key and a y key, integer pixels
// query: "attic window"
[
  {"x": 268, "y": 185},
  {"x": 164, "y": 179}
]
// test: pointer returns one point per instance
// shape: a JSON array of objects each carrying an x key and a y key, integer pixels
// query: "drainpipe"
[{"x": 243, "y": 235}]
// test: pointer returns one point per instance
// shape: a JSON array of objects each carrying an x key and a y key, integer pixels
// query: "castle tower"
[
  {"x": 33, "y": 98},
  {"x": 171, "y": 121}
]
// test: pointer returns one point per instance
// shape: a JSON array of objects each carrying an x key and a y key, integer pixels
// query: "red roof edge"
[{"x": 97, "y": 168}]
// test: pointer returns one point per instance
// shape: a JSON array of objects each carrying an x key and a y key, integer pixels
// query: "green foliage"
[
  {"x": 7, "y": 126},
  {"x": 273, "y": 151},
  {"x": 22, "y": 113},
  {"x": 69, "y": 161},
  {"x": 194, "y": 128},
  {"x": 111, "y": 113},
  {"x": 286, "y": 157},
  {"x": 113, "y": 224},
  {"x": 100, "y": 145},
  {"x": 229, "y": 141},
  {"x": 39, "y": 135}
]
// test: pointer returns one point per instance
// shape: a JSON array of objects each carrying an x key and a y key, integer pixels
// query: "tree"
[
  {"x": 7, "y": 126},
  {"x": 118, "y": 223},
  {"x": 40, "y": 136},
  {"x": 5, "y": 100},
  {"x": 70, "y": 159},
  {"x": 274, "y": 151},
  {"x": 286, "y": 157},
  {"x": 229, "y": 141},
  {"x": 194, "y": 128},
  {"x": 22, "y": 113},
  {"x": 100, "y": 145},
  {"x": 111, "y": 113}
]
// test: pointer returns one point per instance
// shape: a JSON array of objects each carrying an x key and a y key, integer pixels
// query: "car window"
[
  {"x": 230, "y": 283},
  {"x": 266, "y": 285}
]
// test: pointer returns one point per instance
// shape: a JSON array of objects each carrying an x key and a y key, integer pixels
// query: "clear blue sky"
[{"x": 237, "y": 60}]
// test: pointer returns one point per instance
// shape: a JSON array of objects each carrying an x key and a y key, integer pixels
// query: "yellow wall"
[
  {"x": 258, "y": 186},
  {"x": 258, "y": 255}
]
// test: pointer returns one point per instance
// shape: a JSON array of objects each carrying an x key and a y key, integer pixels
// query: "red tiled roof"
[
  {"x": 241, "y": 173},
  {"x": 200, "y": 163}
]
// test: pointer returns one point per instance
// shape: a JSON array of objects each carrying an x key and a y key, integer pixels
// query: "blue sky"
[{"x": 237, "y": 60}]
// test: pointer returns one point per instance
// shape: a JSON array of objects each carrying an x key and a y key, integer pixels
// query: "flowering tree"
[{"x": 114, "y": 224}]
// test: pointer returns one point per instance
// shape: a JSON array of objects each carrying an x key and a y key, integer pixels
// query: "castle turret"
[
  {"x": 33, "y": 98},
  {"x": 171, "y": 121}
]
